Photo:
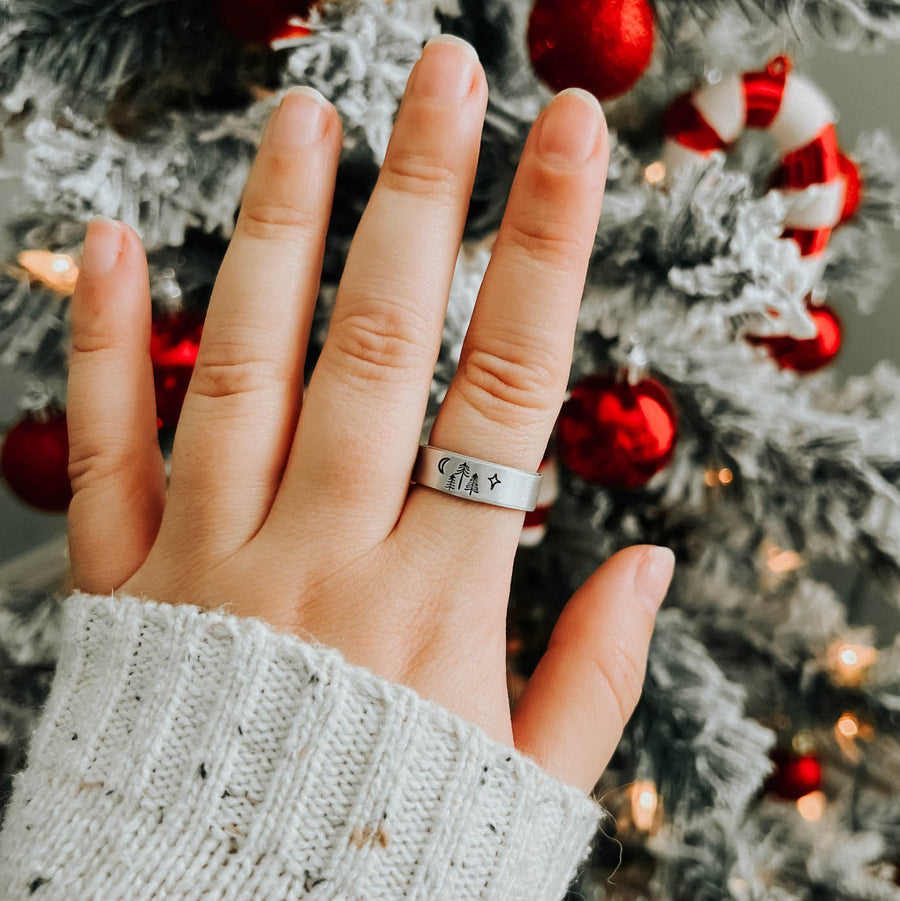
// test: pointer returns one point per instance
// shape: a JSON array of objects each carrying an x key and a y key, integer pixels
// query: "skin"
[{"x": 271, "y": 511}]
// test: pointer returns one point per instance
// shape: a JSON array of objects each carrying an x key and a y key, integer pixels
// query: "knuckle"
[
  {"x": 553, "y": 242},
  {"x": 619, "y": 672},
  {"x": 374, "y": 344},
  {"x": 507, "y": 385},
  {"x": 420, "y": 175},
  {"x": 271, "y": 221},
  {"x": 91, "y": 342},
  {"x": 225, "y": 370},
  {"x": 92, "y": 461}
]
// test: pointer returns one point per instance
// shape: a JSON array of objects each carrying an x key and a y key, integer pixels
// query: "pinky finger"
[
  {"x": 585, "y": 687},
  {"x": 115, "y": 464}
]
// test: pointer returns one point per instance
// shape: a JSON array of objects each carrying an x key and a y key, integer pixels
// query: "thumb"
[{"x": 585, "y": 687}]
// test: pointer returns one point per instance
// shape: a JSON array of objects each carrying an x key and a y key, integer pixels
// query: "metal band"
[{"x": 476, "y": 480}]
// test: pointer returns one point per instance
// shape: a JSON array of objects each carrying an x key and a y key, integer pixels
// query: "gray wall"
[{"x": 863, "y": 90}]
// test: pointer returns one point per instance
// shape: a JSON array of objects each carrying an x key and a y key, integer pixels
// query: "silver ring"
[{"x": 476, "y": 480}]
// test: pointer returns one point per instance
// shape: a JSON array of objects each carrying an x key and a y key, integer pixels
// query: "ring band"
[{"x": 476, "y": 480}]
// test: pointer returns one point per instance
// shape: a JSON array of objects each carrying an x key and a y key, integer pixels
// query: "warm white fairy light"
[
  {"x": 655, "y": 172},
  {"x": 848, "y": 725},
  {"x": 723, "y": 476},
  {"x": 55, "y": 270},
  {"x": 848, "y": 662},
  {"x": 848, "y": 732},
  {"x": 785, "y": 561},
  {"x": 811, "y": 806},
  {"x": 644, "y": 804}
]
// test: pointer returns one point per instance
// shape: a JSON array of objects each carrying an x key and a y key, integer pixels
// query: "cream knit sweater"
[{"x": 187, "y": 754}]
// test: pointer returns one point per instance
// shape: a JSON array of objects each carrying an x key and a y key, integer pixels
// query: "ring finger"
[{"x": 514, "y": 364}]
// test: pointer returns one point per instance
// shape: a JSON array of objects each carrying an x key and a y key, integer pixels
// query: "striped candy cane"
[{"x": 799, "y": 118}]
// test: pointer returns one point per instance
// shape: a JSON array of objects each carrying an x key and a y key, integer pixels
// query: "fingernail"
[
  {"x": 570, "y": 126},
  {"x": 301, "y": 118},
  {"x": 654, "y": 573},
  {"x": 102, "y": 243},
  {"x": 446, "y": 69}
]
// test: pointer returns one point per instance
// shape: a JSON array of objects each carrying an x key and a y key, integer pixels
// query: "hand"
[{"x": 281, "y": 513}]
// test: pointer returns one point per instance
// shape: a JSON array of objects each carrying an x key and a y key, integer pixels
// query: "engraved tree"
[{"x": 462, "y": 471}]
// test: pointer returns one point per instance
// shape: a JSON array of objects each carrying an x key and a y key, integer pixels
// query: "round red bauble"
[
  {"x": 264, "y": 21},
  {"x": 807, "y": 354},
  {"x": 615, "y": 434},
  {"x": 853, "y": 189},
  {"x": 603, "y": 46},
  {"x": 795, "y": 775},
  {"x": 174, "y": 342},
  {"x": 35, "y": 461}
]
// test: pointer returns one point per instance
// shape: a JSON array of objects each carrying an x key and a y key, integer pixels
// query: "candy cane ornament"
[{"x": 800, "y": 119}]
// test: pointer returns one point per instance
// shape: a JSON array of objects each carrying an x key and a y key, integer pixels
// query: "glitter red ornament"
[
  {"x": 35, "y": 460},
  {"x": 603, "y": 46},
  {"x": 174, "y": 342},
  {"x": 795, "y": 775},
  {"x": 807, "y": 354},
  {"x": 615, "y": 434},
  {"x": 263, "y": 22}
]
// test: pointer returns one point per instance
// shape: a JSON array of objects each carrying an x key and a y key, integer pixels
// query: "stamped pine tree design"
[
  {"x": 472, "y": 484},
  {"x": 462, "y": 471}
]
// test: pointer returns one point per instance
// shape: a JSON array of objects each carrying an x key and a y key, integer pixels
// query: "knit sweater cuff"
[{"x": 185, "y": 752}]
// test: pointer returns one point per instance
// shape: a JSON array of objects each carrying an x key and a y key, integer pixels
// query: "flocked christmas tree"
[{"x": 763, "y": 759}]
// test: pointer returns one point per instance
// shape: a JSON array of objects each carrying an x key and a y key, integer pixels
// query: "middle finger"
[{"x": 364, "y": 407}]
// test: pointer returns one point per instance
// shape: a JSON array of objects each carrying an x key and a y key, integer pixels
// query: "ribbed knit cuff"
[{"x": 191, "y": 753}]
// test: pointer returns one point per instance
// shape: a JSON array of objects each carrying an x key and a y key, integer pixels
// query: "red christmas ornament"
[
  {"x": 174, "y": 342},
  {"x": 615, "y": 434},
  {"x": 35, "y": 460},
  {"x": 603, "y": 46},
  {"x": 853, "y": 191},
  {"x": 264, "y": 22},
  {"x": 807, "y": 354},
  {"x": 795, "y": 774}
]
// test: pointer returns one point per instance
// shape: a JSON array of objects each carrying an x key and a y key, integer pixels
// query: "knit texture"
[{"x": 186, "y": 753}]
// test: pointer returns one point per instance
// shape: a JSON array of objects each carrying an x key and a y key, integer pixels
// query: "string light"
[
  {"x": 777, "y": 562},
  {"x": 655, "y": 172},
  {"x": 645, "y": 805},
  {"x": 848, "y": 662},
  {"x": 714, "y": 477},
  {"x": 785, "y": 561},
  {"x": 847, "y": 730},
  {"x": 848, "y": 725},
  {"x": 811, "y": 806},
  {"x": 55, "y": 270}
]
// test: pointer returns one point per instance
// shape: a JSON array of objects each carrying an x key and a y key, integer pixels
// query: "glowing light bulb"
[
  {"x": 848, "y": 662},
  {"x": 655, "y": 172},
  {"x": 785, "y": 561},
  {"x": 55, "y": 270},
  {"x": 645, "y": 804},
  {"x": 811, "y": 806},
  {"x": 848, "y": 725},
  {"x": 726, "y": 476}
]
